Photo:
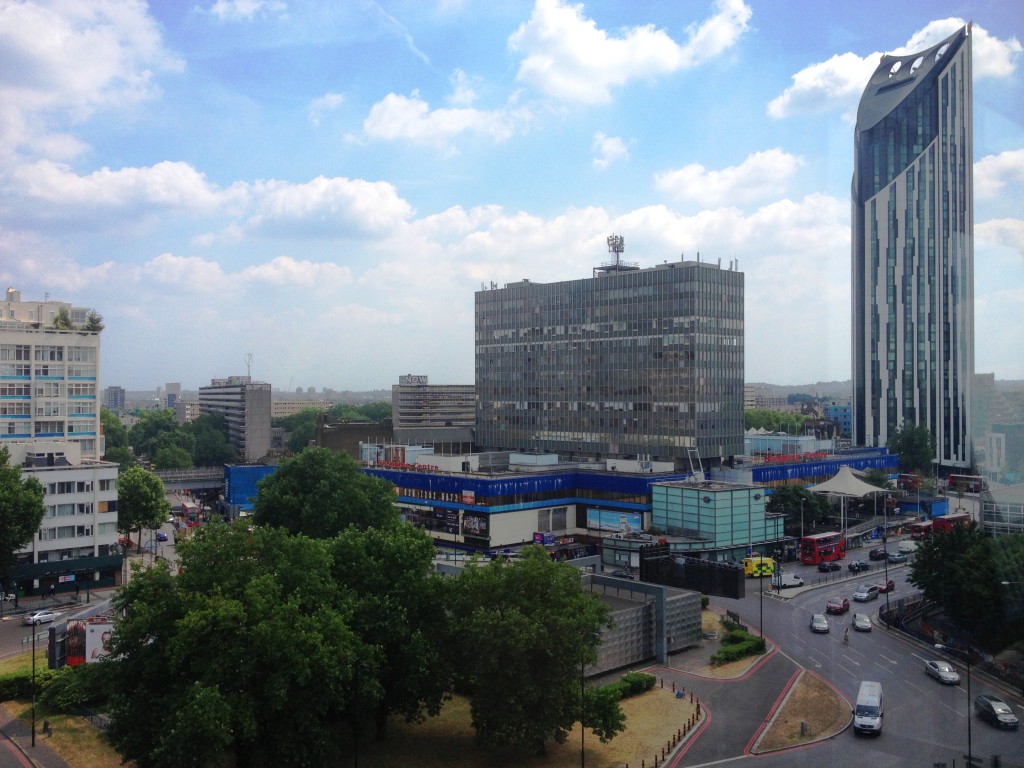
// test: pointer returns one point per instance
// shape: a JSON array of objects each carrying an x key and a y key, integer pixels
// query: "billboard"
[
  {"x": 611, "y": 521},
  {"x": 98, "y": 632},
  {"x": 475, "y": 525}
]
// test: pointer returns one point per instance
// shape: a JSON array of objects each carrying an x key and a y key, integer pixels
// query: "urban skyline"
[{"x": 314, "y": 184}]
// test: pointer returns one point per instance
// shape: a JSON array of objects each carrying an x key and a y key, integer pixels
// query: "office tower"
[
  {"x": 113, "y": 398},
  {"x": 629, "y": 363},
  {"x": 50, "y": 425},
  {"x": 913, "y": 250},
  {"x": 427, "y": 413},
  {"x": 246, "y": 407}
]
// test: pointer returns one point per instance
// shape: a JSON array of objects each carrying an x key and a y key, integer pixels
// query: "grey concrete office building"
[
  {"x": 630, "y": 363},
  {"x": 245, "y": 405},
  {"x": 913, "y": 250}
]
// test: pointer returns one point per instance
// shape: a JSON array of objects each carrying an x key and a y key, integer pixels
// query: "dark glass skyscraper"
[
  {"x": 631, "y": 363},
  {"x": 913, "y": 250}
]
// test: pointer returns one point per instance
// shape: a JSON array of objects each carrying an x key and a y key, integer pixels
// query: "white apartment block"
[
  {"x": 246, "y": 407},
  {"x": 48, "y": 378}
]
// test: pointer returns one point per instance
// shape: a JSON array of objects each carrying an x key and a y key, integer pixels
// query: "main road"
[{"x": 925, "y": 723}]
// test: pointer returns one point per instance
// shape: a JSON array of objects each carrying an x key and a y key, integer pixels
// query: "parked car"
[
  {"x": 907, "y": 547},
  {"x": 866, "y": 592},
  {"x": 879, "y": 553},
  {"x": 829, "y": 566},
  {"x": 619, "y": 573},
  {"x": 996, "y": 711},
  {"x": 837, "y": 605},
  {"x": 857, "y": 566},
  {"x": 896, "y": 558},
  {"x": 40, "y": 617},
  {"x": 819, "y": 623},
  {"x": 861, "y": 622},
  {"x": 161, "y": 536},
  {"x": 942, "y": 671},
  {"x": 886, "y": 586}
]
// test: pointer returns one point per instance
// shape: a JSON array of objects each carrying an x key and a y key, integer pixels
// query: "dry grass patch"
[
  {"x": 75, "y": 739},
  {"x": 447, "y": 741},
  {"x": 813, "y": 702}
]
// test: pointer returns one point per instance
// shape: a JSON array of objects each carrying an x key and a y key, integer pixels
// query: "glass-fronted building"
[
  {"x": 913, "y": 250},
  {"x": 630, "y": 363}
]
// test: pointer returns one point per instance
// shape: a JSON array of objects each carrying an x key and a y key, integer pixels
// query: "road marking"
[
  {"x": 891, "y": 661},
  {"x": 851, "y": 660}
]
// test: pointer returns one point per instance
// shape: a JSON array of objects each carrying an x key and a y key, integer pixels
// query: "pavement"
[{"x": 16, "y": 749}]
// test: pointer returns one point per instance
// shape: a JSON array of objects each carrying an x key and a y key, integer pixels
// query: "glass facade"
[
  {"x": 640, "y": 363},
  {"x": 913, "y": 250}
]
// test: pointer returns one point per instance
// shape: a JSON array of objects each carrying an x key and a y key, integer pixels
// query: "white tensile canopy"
[{"x": 845, "y": 483}]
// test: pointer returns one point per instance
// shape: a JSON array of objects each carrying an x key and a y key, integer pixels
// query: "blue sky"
[{"x": 324, "y": 185}]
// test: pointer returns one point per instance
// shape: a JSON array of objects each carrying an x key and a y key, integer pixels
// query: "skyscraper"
[
  {"x": 630, "y": 363},
  {"x": 913, "y": 250}
]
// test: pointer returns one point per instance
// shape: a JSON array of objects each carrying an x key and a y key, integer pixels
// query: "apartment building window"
[
  {"x": 49, "y": 389},
  {"x": 66, "y": 532},
  {"x": 15, "y": 389},
  {"x": 82, "y": 354},
  {"x": 15, "y": 352},
  {"x": 47, "y": 534},
  {"x": 104, "y": 529},
  {"x": 108, "y": 485},
  {"x": 15, "y": 369},
  {"x": 45, "y": 352},
  {"x": 15, "y": 409},
  {"x": 81, "y": 389},
  {"x": 83, "y": 530},
  {"x": 63, "y": 510},
  {"x": 85, "y": 508}
]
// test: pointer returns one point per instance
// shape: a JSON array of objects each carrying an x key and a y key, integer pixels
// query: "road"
[{"x": 925, "y": 722}]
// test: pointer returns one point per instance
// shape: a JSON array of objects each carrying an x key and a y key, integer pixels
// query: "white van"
[
  {"x": 867, "y": 717},
  {"x": 907, "y": 547},
  {"x": 786, "y": 579}
]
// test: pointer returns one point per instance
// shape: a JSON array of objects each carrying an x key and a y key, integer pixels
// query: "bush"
[
  {"x": 73, "y": 687},
  {"x": 752, "y": 646},
  {"x": 638, "y": 682},
  {"x": 705, "y": 601}
]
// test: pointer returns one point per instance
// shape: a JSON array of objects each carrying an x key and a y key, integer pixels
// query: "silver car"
[
  {"x": 40, "y": 617},
  {"x": 819, "y": 623},
  {"x": 942, "y": 671},
  {"x": 862, "y": 622},
  {"x": 866, "y": 592}
]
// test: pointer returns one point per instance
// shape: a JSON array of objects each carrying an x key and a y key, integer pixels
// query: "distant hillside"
[{"x": 826, "y": 389}]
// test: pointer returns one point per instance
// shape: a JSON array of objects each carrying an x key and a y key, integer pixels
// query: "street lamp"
[{"x": 35, "y": 628}]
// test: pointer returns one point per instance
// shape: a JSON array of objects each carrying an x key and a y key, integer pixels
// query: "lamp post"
[
  {"x": 583, "y": 706},
  {"x": 34, "y": 629}
]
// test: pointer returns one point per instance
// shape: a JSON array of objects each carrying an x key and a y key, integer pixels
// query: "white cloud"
[
  {"x": 410, "y": 118},
  {"x": 839, "y": 82},
  {"x": 326, "y": 207},
  {"x": 462, "y": 90},
  {"x": 1006, "y": 232},
  {"x": 568, "y": 57},
  {"x": 608, "y": 149},
  {"x": 234, "y": 10},
  {"x": 286, "y": 271},
  {"x": 760, "y": 176},
  {"x": 70, "y": 59},
  {"x": 326, "y": 103},
  {"x": 993, "y": 173}
]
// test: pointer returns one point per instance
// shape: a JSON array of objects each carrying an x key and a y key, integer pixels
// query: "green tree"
[
  {"x": 62, "y": 321},
  {"x": 915, "y": 446},
  {"x": 21, "y": 511},
  {"x": 93, "y": 322},
  {"x": 246, "y": 658},
  {"x": 320, "y": 493},
  {"x": 774, "y": 421},
  {"x": 141, "y": 501},
  {"x": 114, "y": 433},
  {"x": 212, "y": 444},
  {"x": 122, "y": 456},
  {"x": 153, "y": 430},
  {"x": 956, "y": 570},
  {"x": 878, "y": 478},
  {"x": 399, "y": 611},
  {"x": 800, "y": 507},
  {"x": 523, "y": 632},
  {"x": 172, "y": 457}
]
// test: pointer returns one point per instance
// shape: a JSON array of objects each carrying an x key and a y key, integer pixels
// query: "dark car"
[
  {"x": 897, "y": 557},
  {"x": 837, "y": 605},
  {"x": 878, "y": 553},
  {"x": 618, "y": 573},
  {"x": 857, "y": 566},
  {"x": 828, "y": 567},
  {"x": 996, "y": 711},
  {"x": 161, "y": 536}
]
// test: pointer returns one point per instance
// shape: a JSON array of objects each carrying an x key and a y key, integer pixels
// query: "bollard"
[
  {"x": 691, "y": 697},
  {"x": 673, "y": 687},
  {"x": 663, "y": 682}
]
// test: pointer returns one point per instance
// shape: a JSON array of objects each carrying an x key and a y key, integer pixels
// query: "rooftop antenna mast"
[
  {"x": 248, "y": 365},
  {"x": 616, "y": 245}
]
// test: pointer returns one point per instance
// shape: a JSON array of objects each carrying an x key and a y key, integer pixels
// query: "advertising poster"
[
  {"x": 75, "y": 648},
  {"x": 97, "y": 639},
  {"x": 611, "y": 521},
  {"x": 475, "y": 525}
]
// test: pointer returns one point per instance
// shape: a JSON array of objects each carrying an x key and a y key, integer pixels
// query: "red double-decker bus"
[
  {"x": 967, "y": 483},
  {"x": 945, "y": 523},
  {"x": 921, "y": 529},
  {"x": 822, "y": 547}
]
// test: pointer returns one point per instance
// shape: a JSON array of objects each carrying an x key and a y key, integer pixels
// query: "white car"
[
  {"x": 942, "y": 671},
  {"x": 40, "y": 617}
]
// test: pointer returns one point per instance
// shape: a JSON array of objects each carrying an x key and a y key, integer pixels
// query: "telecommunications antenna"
[{"x": 248, "y": 365}]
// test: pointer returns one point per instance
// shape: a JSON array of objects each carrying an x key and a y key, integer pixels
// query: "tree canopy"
[
  {"x": 800, "y": 507},
  {"x": 774, "y": 421},
  {"x": 527, "y": 627},
  {"x": 21, "y": 511},
  {"x": 202, "y": 442},
  {"x": 915, "y": 446},
  {"x": 320, "y": 493},
  {"x": 141, "y": 501},
  {"x": 248, "y": 653}
]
